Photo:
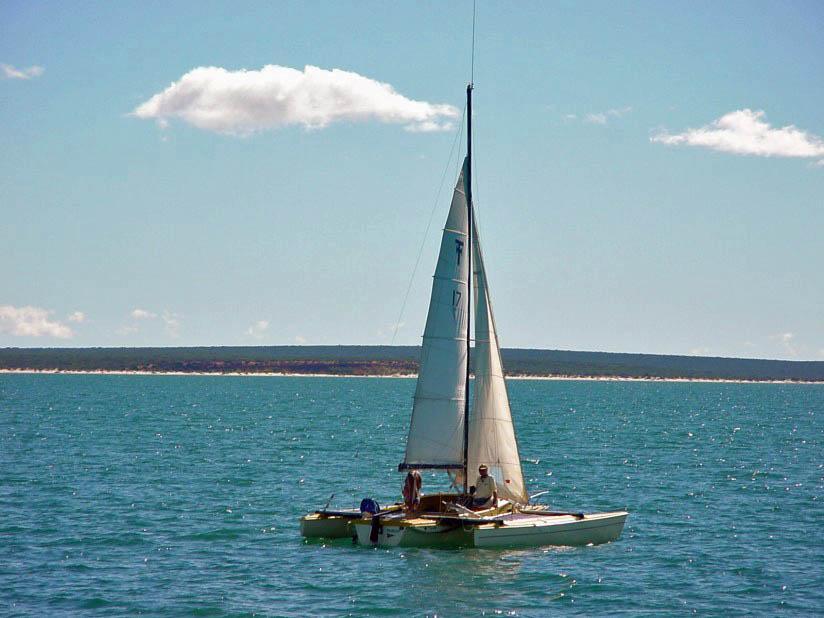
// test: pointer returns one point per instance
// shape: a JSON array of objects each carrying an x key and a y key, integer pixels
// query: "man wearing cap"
[{"x": 485, "y": 492}]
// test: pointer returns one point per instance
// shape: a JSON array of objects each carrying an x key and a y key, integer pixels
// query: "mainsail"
[
  {"x": 439, "y": 435},
  {"x": 436, "y": 432},
  {"x": 491, "y": 432}
]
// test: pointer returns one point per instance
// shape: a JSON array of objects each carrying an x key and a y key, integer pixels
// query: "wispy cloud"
[
  {"x": 258, "y": 329},
  {"x": 143, "y": 314},
  {"x": 172, "y": 323},
  {"x": 603, "y": 118},
  {"x": 78, "y": 317},
  {"x": 746, "y": 132},
  {"x": 10, "y": 72},
  {"x": 598, "y": 118},
  {"x": 136, "y": 314},
  {"x": 243, "y": 102},
  {"x": 300, "y": 340},
  {"x": 31, "y": 321},
  {"x": 787, "y": 342},
  {"x": 390, "y": 329}
]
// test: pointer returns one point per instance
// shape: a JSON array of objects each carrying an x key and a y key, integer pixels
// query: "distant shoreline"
[
  {"x": 406, "y": 376},
  {"x": 401, "y": 361}
]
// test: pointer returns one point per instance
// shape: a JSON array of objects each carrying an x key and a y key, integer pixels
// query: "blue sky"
[{"x": 631, "y": 195}]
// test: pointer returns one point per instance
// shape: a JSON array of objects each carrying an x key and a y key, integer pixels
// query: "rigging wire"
[{"x": 458, "y": 136}]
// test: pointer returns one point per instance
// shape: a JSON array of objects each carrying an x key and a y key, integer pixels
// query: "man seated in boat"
[
  {"x": 412, "y": 491},
  {"x": 485, "y": 492}
]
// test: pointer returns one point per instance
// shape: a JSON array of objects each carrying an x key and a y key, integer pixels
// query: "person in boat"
[
  {"x": 485, "y": 492},
  {"x": 412, "y": 491}
]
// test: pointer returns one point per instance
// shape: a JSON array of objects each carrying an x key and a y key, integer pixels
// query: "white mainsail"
[
  {"x": 436, "y": 432},
  {"x": 491, "y": 432}
]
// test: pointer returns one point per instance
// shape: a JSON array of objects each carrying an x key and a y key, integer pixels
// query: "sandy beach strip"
[{"x": 560, "y": 378}]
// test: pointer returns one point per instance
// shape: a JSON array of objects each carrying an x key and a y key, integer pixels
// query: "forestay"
[
  {"x": 491, "y": 432},
  {"x": 436, "y": 431}
]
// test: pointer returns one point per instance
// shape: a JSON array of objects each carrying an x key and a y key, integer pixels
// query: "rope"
[{"x": 458, "y": 135}]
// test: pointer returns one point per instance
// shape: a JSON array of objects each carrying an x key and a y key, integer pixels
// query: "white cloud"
[
  {"x": 78, "y": 316},
  {"x": 31, "y": 322},
  {"x": 300, "y": 340},
  {"x": 746, "y": 132},
  {"x": 243, "y": 102},
  {"x": 603, "y": 117},
  {"x": 143, "y": 314},
  {"x": 429, "y": 126},
  {"x": 10, "y": 72},
  {"x": 258, "y": 329}
]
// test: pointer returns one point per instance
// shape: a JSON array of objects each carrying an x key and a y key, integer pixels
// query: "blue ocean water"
[{"x": 164, "y": 495}]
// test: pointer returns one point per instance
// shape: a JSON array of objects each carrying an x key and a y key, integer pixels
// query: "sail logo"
[
  {"x": 456, "y": 303},
  {"x": 459, "y": 244}
]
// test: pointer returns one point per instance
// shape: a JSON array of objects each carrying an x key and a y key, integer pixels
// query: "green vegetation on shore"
[{"x": 392, "y": 360}]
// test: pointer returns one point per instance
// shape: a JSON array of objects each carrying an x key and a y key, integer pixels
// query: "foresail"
[
  {"x": 491, "y": 432},
  {"x": 436, "y": 432}
]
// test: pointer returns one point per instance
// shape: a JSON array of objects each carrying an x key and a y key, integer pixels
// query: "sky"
[{"x": 649, "y": 176}]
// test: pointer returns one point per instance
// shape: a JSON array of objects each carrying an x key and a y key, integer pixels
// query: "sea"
[{"x": 180, "y": 496}]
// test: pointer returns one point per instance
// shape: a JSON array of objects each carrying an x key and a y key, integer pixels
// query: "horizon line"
[{"x": 383, "y": 345}]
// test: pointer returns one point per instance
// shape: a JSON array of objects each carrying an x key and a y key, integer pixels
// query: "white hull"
[
  {"x": 593, "y": 529},
  {"x": 519, "y": 531}
]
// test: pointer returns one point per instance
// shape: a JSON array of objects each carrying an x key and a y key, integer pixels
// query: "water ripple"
[{"x": 180, "y": 496}]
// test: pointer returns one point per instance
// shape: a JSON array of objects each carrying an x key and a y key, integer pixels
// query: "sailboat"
[{"x": 447, "y": 434}]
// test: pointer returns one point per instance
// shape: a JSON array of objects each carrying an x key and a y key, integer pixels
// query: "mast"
[{"x": 468, "y": 191}]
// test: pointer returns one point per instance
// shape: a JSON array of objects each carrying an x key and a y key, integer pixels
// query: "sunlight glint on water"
[{"x": 170, "y": 495}]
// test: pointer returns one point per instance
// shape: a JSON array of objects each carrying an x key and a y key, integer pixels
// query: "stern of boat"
[{"x": 315, "y": 525}]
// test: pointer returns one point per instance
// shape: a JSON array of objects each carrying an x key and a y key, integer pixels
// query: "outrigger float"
[{"x": 443, "y": 435}]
